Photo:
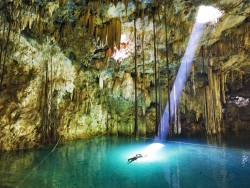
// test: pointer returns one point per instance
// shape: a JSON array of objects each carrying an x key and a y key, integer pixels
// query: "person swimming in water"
[{"x": 137, "y": 156}]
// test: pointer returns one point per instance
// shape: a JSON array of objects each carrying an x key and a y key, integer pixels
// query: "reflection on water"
[
  {"x": 102, "y": 162},
  {"x": 224, "y": 139}
]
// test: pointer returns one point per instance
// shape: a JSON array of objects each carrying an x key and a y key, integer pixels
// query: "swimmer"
[{"x": 137, "y": 156}]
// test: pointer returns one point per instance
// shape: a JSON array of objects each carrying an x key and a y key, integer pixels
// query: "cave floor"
[{"x": 102, "y": 162}]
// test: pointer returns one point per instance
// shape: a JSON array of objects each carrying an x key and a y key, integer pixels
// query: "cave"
[{"x": 124, "y": 93}]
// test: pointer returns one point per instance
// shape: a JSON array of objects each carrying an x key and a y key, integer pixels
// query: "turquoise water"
[{"x": 102, "y": 162}]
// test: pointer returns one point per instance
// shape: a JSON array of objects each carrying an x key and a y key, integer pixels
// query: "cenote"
[
  {"x": 124, "y": 93},
  {"x": 102, "y": 162}
]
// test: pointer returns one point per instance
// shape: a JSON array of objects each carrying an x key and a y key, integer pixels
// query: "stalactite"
[
  {"x": 217, "y": 102},
  {"x": 223, "y": 82},
  {"x": 167, "y": 60},
  {"x": 51, "y": 114},
  {"x": 61, "y": 34},
  {"x": 155, "y": 77},
  {"x": 241, "y": 79},
  {"x": 108, "y": 54},
  {"x": 210, "y": 120},
  {"x": 193, "y": 77},
  {"x": 98, "y": 35},
  {"x": 126, "y": 5},
  {"x": 205, "y": 89},
  {"x": 30, "y": 21},
  {"x": 231, "y": 44},
  {"x": 2, "y": 43},
  {"x": 95, "y": 6},
  {"x": 161, "y": 108},
  {"x": 85, "y": 17},
  {"x": 159, "y": 88},
  {"x": 177, "y": 121},
  {"x": 62, "y": 3},
  {"x": 45, "y": 108},
  {"x": 103, "y": 36},
  {"x": 118, "y": 34},
  {"x": 214, "y": 102},
  {"x": 110, "y": 35},
  {"x": 175, "y": 112},
  {"x": 53, "y": 118},
  {"x": 92, "y": 24},
  {"x": 143, "y": 66},
  {"x": 5, "y": 56},
  {"x": 247, "y": 38},
  {"x": 48, "y": 125},
  {"x": 232, "y": 75},
  {"x": 15, "y": 36},
  {"x": 136, "y": 99},
  {"x": 40, "y": 13}
]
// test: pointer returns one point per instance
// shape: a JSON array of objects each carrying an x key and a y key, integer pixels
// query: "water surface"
[{"x": 102, "y": 162}]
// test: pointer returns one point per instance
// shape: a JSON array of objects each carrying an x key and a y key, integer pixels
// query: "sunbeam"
[{"x": 205, "y": 14}]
